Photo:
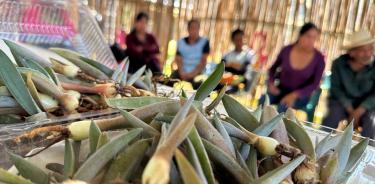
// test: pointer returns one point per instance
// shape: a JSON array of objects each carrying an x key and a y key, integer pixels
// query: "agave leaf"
[
  {"x": 244, "y": 150},
  {"x": 227, "y": 162},
  {"x": 329, "y": 142},
  {"x": 83, "y": 65},
  {"x": 69, "y": 160},
  {"x": 328, "y": 172},
  {"x": 265, "y": 129},
  {"x": 266, "y": 101},
  {"x": 189, "y": 176},
  {"x": 268, "y": 113},
  {"x": 137, "y": 123},
  {"x": 33, "y": 65},
  {"x": 9, "y": 178},
  {"x": 148, "y": 80},
  {"x": 28, "y": 170},
  {"x": 291, "y": 114},
  {"x": 97, "y": 65},
  {"x": 210, "y": 84},
  {"x": 258, "y": 113},
  {"x": 242, "y": 163},
  {"x": 16, "y": 85},
  {"x": 94, "y": 134},
  {"x": 96, "y": 162},
  {"x": 181, "y": 114},
  {"x": 124, "y": 75},
  {"x": 224, "y": 133},
  {"x": 202, "y": 155},
  {"x": 135, "y": 76},
  {"x": 239, "y": 113},
  {"x": 279, "y": 174},
  {"x": 193, "y": 158},
  {"x": 183, "y": 94},
  {"x": 103, "y": 139},
  {"x": 33, "y": 91},
  {"x": 53, "y": 75},
  {"x": 356, "y": 153},
  {"x": 127, "y": 162},
  {"x": 76, "y": 145},
  {"x": 217, "y": 100},
  {"x": 252, "y": 162},
  {"x": 343, "y": 148},
  {"x": 181, "y": 131},
  {"x": 134, "y": 102},
  {"x": 303, "y": 140}
]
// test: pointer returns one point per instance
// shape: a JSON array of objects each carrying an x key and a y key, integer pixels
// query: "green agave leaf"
[
  {"x": 202, "y": 155},
  {"x": 96, "y": 162},
  {"x": 148, "y": 80},
  {"x": 243, "y": 164},
  {"x": 252, "y": 162},
  {"x": 181, "y": 114},
  {"x": 127, "y": 162},
  {"x": 76, "y": 145},
  {"x": 329, "y": 142},
  {"x": 135, "y": 76},
  {"x": 97, "y": 65},
  {"x": 279, "y": 174},
  {"x": 9, "y": 178},
  {"x": 16, "y": 85},
  {"x": 22, "y": 53},
  {"x": 356, "y": 153},
  {"x": 217, "y": 100},
  {"x": 218, "y": 125},
  {"x": 28, "y": 170},
  {"x": 268, "y": 113},
  {"x": 343, "y": 149},
  {"x": 266, "y": 101},
  {"x": 183, "y": 93},
  {"x": 33, "y": 91},
  {"x": 258, "y": 113},
  {"x": 265, "y": 129},
  {"x": 189, "y": 176},
  {"x": 9, "y": 119},
  {"x": 124, "y": 74},
  {"x": 94, "y": 134},
  {"x": 328, "y": 172},
  {"x": 227, "y": 162},
  {"x": 240, "y": 113},
  {"x": 210, "y": 84},
  {"x": 53, "y": 75},
  {"x": 69, "y": 160},
  {"x": 244, "y": 150},
  {"x": 103, "y": 139},
  {"x": 134, "y": 102},
  {"x": 83, "y": 65},
  {"x": 194, "y": 160},
  {"x": 137, "y": 123},
  {"x": 303, "y": 140}
]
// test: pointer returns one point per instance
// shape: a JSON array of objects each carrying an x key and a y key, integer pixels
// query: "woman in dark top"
[
  {"x": 142, "y": 47},
  {"x": 297, "y": 71}
]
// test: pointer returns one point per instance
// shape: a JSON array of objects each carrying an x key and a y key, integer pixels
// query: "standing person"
[
  {"x": 192, "y": 53},
  {"x": 142, "y": 47},
  {"x": 297, "y": 71},
  {"x": 352, "y": 92},
  {"x": 238, "y": 59}
]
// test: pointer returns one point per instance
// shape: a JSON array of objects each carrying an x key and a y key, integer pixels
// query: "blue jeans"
[{"x": 300, "y": 103}]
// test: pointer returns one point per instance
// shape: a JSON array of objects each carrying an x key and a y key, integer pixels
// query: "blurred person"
[
  {"x": 238, "y": 60},
  {"x": 192, "y": 53},
  {"x": 142, "y": 47},
  {"x": 352, "y": 92},
  {"x": 297, "y": 71}
]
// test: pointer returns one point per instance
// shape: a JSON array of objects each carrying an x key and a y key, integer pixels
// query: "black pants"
[{"x": 337, "y": 112}]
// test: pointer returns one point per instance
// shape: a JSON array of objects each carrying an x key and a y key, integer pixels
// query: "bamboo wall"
[{"x": 278, "y": 20}]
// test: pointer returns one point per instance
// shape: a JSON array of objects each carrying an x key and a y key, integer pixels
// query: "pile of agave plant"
[
  {"x": 38, "y": 86},
  {"x": 166, "y": 140}
]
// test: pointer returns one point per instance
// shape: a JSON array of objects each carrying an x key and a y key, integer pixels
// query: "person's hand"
[
  {"x": 289, "y": 99},
  {"x": 356, "y": 115},
  {"x": 273, "y": 89}
]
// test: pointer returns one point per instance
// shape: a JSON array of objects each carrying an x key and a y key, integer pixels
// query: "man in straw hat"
[{"x": 352, "y": 93}]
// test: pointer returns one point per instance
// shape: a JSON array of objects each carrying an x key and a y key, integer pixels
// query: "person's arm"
[
  {"x": 318, "y": 73},
  {"x": 337, "y": 90},
  {"x": 369, "y": 102}
]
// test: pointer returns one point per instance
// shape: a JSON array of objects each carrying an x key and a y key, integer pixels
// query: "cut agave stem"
[
  {"x": 67, "y": 70},
  {"x": 106, "y": 89}
]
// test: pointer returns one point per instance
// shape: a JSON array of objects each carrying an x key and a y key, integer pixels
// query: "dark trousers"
[
  {"x": 300, "y": 103},
  {"x": 337, "y": 112}
]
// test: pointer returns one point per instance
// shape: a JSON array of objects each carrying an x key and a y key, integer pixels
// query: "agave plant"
[
  {"x": 164, "y": 140},
  {"x": 38, "y": 86}
]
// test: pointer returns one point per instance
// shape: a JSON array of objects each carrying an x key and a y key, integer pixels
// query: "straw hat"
[{"x": 357, "y": 39}]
